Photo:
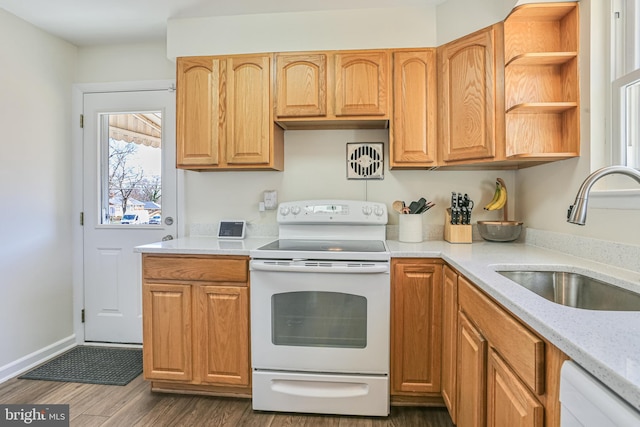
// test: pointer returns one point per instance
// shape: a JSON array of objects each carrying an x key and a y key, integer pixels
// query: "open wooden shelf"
[
  {"x": 542, "y": 92},
  {"x": 542, "y": 58},
  {"x": 542, "y": 107}
]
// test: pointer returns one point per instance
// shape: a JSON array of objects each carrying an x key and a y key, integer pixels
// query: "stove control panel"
[{"x": 332, "y": 212}]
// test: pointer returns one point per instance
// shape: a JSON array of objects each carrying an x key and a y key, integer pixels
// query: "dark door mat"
[{"x": 93, "y": 365}]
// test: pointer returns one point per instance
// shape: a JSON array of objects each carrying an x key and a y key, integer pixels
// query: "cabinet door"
[
  {"x": 362, "y": 82},
  {"x": 509, "y": 402},
  {"x": 197, "y": 108},
  {"x": 167, "y": 331},
  {"x": 471, "y": 96},
  {"x": 449, "y": 339},
  {"x": 301, "y": 81},
  {"x": 472, "y": 366},
  {"x": 221, "y": 340},
  {"x": 414, "y": 126},
  {"x": 248, "y": 116},
  {"x": 416, "y": 319}
]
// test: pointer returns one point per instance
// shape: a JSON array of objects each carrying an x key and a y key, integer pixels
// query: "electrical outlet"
[{"x": 270, "y": 199}]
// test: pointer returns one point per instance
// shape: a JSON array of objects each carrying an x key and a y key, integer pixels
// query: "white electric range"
[{"x": 320, "y": 310}]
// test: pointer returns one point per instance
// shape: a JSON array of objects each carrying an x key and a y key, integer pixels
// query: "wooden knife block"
[{"x": 456, "y": 233}]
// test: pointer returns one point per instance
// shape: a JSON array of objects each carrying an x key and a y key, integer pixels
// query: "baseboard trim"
[{"x": 36, "y": 358}]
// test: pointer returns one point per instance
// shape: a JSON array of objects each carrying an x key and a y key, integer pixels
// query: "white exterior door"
[{"x": 129, "y": 199}]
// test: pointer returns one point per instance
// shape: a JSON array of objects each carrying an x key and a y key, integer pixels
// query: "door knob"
[{"x": 168, "y": 220}]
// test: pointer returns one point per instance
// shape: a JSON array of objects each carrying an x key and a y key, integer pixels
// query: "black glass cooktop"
[{"x": 325, "y": 245}]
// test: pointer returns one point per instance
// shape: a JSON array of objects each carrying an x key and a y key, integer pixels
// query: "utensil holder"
[
  {"x": 456, "y": 233},
  {"x": 410, "y": 228}
]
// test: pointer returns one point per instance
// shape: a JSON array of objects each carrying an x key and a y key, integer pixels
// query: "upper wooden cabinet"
[
  {"x": 301, "y": 85},
  {"x": 345, "y": 89},
  {"x": 413, "y": 128},
  {"x": 224, "y": 114},
  {"x": 505, "y": 96},
  {"x": 362, "y": 83},
  {"x": 542, "y": 92},
  {"x": 471, "y": 112},
  {"x": 197, "y": 98}
]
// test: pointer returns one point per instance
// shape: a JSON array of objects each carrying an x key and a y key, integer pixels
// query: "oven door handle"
[{"x": 305, "y": 266}]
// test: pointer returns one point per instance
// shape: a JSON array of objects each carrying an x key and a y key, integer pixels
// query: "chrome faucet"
[{"x": 578, "y": 211}]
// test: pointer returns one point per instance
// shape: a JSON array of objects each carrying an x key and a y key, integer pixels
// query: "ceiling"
[{"x": 95, "y": 22}]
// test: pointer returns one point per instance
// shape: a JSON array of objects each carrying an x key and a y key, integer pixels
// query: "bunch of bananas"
[{"x": 499, "y": 197}]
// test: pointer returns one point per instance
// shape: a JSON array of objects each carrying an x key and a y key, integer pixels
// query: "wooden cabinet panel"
[
  {"x": 198, "y": 103},
  {"x": 472, "y": 368},
  {"x": 221, "y": 326},
  {"x": 510, "y": 403},
  {"x": 248, "y": 115},
  {"x": 362, "y": 81},
  {"x": 449, "y": 339},
  {"x": 471, "y": 99},
  {"x": 301, "y": 85},
  {"x": 167, "y": 332},
  {"x": 413, "y": 133},
  {"x": 523, "y": 350},
  {"x": 194, "y": 267},
  {"x": 416, "y": 326}
]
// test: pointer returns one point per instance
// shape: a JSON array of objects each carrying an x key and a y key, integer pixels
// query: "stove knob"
[
  {"x": 284, "y": 211},
  {"x": 367, "y": 210},
  {"x": 295, "y": 210},
  {"x": 378, "y": 211}
]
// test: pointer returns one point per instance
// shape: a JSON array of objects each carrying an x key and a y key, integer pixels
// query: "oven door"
[{"x": 320, "y": 317}]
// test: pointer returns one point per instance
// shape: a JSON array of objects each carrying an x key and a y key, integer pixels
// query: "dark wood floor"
[{"x": 135, "y": 405}]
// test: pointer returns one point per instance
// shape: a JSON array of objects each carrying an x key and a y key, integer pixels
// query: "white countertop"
[{"x": 605, "y": 343}]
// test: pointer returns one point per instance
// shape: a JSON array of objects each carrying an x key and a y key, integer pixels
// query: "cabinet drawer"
[
  {"x": 198, "y": 268},
  {"x": 520, "y": 348}
]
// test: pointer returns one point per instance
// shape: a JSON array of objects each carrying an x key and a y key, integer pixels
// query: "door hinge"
[
  {"x": 81, "y": 218},
  {"x": 81, "y": 121},
  {"x": 82, "y": 315}
]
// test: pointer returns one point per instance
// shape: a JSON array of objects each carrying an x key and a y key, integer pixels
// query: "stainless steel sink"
[{"x": 576, "y": 290}]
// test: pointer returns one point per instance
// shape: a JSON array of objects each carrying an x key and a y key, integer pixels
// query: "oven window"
[{"x": 319, "y": 319}]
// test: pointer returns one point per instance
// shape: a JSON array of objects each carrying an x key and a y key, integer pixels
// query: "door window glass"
[
  {"x": 131, "y": 171},
  {"x": 319, "y": 319}
]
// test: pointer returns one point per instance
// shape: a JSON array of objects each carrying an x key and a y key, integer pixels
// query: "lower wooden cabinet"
[
  {"x": 196, "y": 323},
  {"x": 416, "y": 316},
  {"x": 167, "y": 337},
  {"x": 449, "y": 339},
  {"x": 472, "y": 365},
  {"x": 221, "y": 319},
  {"x": 506, "y": 374},
  {"x": 510, "y": 401}
]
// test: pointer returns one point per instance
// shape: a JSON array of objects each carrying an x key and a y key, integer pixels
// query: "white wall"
[
  {"x": 457, "y": 18},
  {"x": 282, "y": 32},
  {"x": 35, "y": 189},
  {"x": 315, "y": 168},
  {"x": 124, "y": 62}
]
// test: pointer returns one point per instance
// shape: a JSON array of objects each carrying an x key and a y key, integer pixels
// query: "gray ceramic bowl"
[{"x": 500, "y": 231}]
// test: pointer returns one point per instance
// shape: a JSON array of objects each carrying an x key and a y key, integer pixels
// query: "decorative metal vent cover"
[{"x": 365, "y": 160}]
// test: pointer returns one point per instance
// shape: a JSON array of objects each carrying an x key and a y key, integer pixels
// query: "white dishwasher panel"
[{"x": 586, "y": 402}]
